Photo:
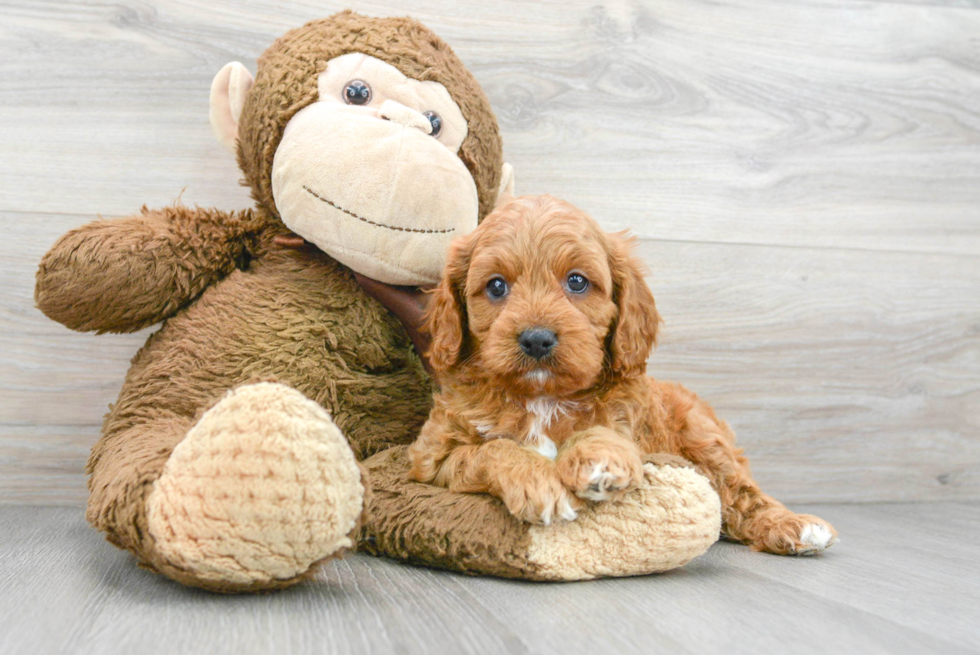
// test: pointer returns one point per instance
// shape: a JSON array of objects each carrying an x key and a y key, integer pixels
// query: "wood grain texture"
[
  {"x": 805, "y": 177},
  {"x": 903, "y": 579}
]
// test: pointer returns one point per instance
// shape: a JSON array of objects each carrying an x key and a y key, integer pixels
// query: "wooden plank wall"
[{"x": 804, "y": 176}]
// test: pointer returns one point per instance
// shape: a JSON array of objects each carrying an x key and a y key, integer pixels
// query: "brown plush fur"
[
  {"x": 590, "y": 395},
  {"x": 236, "y": 306}
]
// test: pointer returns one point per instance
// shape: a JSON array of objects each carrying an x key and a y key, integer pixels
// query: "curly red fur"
[{"x": 500, "y": 411}]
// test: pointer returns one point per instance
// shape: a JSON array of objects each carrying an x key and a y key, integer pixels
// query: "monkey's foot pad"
[{"x": 260, "y": 489}]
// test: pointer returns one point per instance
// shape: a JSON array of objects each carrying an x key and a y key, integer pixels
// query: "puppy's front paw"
[
  {"x": 540, "y": 499},
  {"x": 601, "y": 468}
]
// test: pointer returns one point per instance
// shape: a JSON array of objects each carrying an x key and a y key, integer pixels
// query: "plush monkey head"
[{"x": 367, "y": 137}]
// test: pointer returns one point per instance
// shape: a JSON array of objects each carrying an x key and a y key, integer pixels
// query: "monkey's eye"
[
  {"x": 577, "y": 283},
  {"x": 497, "y": 288},
  {"x": 435, "y": 121},
  {"x": 357, "y": 92}
]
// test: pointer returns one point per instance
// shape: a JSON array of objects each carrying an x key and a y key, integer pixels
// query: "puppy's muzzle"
[{"x": 537, "y": 342}]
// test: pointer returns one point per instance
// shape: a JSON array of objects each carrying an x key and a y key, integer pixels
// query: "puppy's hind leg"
[{"x": 749, "y": 516}]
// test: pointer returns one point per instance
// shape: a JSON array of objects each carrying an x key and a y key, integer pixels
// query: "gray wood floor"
[{"x": 904, "y": 579}]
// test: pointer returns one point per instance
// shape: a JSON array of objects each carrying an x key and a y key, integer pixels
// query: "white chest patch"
[
  {"x": 545, "y": 446},
  {"x": 483, "y": 429},
  {"x": 544, "y": 411}
]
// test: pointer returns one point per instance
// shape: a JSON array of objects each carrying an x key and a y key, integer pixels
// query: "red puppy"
[{"x": 541, "y": 328}]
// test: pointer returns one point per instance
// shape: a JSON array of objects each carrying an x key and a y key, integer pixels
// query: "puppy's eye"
[
  {"x": 577, "y": 283},
  {"x": 357, "y": 92},
  {"x": 497, "y": 288},
  {"x": 435, "y": 121}
]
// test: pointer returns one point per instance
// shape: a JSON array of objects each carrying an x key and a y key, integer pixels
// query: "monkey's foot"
[{"x": 263, "y": 487}]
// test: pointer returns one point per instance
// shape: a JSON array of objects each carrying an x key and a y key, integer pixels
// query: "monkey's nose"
[
  {"x": 537, "y": 342},
  {"x": 396, "y": 112}
]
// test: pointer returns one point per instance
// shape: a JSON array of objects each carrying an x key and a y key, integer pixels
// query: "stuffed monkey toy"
[{"x": 263, "y": 428}]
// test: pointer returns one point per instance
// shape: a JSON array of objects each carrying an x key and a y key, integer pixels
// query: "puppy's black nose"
[{"x": 537, "y": 342}]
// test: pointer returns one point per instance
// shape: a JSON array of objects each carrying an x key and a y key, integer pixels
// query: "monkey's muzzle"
[{"x": 379, "y": 196}]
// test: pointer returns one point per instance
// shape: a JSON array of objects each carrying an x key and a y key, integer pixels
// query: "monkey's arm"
[{"x": 124, "y": 274}]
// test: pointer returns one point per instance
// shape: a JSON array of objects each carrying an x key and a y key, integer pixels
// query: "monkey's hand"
[
  {"x": 124, "y": 274},
  {"x": 407, "y": 304}
]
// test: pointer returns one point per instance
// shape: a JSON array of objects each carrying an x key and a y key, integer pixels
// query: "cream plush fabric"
[
  {"x": 665, "y": 523},
  {"x": 228, "y": 91},
  {"x": 262, "y": 487},
  {"x": 395, "y": 222}
]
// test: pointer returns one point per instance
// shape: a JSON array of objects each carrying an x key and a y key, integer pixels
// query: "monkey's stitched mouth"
[{"x": 370, "y": 222}]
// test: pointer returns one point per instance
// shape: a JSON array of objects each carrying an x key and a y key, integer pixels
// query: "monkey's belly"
[{"x": 301, "y": 321}]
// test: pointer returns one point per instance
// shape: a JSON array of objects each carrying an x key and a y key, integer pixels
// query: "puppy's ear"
[
  {"x": 445, "y": 317},
  {"x": 635, "y": 331}
]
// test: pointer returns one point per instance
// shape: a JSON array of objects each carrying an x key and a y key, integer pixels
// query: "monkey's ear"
[
  {"x": 505, "y": 191},
  {"x": 228, "y": 91}
]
